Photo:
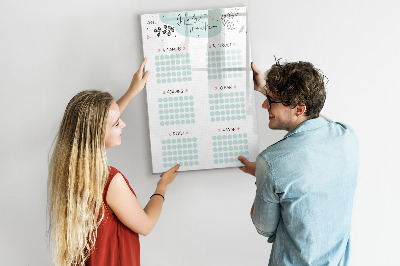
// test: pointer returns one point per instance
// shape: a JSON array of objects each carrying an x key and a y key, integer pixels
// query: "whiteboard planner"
[{"x": 200, "y": 93}]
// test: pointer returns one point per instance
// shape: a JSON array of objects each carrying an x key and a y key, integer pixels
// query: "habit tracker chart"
[{"x": 199, "y": 93}]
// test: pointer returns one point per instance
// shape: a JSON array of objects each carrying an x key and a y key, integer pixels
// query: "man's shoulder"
[
  {"x": 342, "y": 130},
  {"x": 299, "y": 141},
  {"x": 276, "y": 150}
]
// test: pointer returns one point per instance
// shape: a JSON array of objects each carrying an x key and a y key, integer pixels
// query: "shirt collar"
[{"x": 307, "y": 125}]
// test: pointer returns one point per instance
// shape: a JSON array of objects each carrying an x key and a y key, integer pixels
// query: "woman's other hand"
[{"x": 168, "y": 176}]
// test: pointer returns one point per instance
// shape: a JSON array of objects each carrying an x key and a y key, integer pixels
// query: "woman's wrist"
[
  {"x": 132, "y": 92},
  {"x": 161, "y": 188},
  {"x": 157, "y": 194}
]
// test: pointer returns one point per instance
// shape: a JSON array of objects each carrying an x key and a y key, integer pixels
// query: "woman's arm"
[
  {"x": 137, "y": 85},
  {"x": 125, "y": 205}
]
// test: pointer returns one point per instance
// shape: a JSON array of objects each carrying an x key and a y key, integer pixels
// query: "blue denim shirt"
[{"x": 305, "y": 189}]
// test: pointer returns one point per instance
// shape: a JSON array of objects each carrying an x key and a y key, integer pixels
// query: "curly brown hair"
[{"x": 298, "y": 83}]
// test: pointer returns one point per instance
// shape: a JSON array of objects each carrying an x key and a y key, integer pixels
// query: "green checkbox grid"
[
  {"x": 227, "y": 106},
  {"x": 173, "y": 68},
  {"x": 223, "y": 64},
  {"x": 176, "y": 110},
  {"x": 227, "y": 148},
  {"x": 180, "y": 150}
]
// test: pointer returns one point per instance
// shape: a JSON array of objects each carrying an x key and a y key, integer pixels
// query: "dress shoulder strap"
[{"x": 112, "y": 173}]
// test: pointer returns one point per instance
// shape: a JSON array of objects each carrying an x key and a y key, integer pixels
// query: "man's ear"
[{"x": 300, "y": 110}]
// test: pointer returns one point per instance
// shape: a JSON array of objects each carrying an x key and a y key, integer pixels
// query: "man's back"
[{"x": 305, "y": 190}]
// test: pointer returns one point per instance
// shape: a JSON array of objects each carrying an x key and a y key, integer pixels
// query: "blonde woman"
[{"x": 95, "y": 217}]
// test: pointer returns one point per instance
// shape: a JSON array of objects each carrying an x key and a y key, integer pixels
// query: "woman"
[{"x": 95, "y": 217}]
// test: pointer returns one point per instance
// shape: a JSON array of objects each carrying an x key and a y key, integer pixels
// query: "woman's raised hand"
[{"x": 138, "y": 79}]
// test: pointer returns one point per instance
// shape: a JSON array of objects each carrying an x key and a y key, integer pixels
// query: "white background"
[{"x": 50, "y": 50}]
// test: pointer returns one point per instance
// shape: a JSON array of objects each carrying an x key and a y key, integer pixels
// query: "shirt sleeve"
[{"x": 266, "y": 212}]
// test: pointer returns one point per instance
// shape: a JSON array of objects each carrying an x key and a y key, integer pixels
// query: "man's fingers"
[
  {"x": 243, "y": 160},
  {"x": 244, "y": 169},
  {"x": 254, "y": 68}
]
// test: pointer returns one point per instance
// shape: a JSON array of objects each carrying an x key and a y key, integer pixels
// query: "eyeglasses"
[{"x": 270, "y": 101}]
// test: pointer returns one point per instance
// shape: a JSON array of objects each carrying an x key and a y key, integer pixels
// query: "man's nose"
[{"x": 265, "y": 104}]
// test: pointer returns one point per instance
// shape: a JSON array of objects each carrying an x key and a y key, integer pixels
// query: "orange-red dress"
[{"x": 116, "y": 244}]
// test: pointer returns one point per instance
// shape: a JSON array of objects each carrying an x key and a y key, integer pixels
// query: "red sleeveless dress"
[{"x": 116, "y": 244}]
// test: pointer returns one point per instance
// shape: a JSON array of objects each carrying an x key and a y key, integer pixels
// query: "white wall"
[{"x": 49, "y": 50}]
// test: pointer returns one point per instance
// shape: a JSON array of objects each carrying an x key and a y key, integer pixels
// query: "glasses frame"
[
  {"x": 266, "y": 95},
  {"x": 270, "y": 101}
]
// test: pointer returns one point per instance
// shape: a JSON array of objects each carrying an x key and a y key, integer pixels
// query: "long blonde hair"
[{"x": 78, "y": 171}]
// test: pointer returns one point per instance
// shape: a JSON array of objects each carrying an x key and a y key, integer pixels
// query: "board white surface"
[{"x": 199, "y": 94}]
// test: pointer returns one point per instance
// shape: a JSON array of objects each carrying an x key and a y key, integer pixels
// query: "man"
[{"x": 305, "y": 182}]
